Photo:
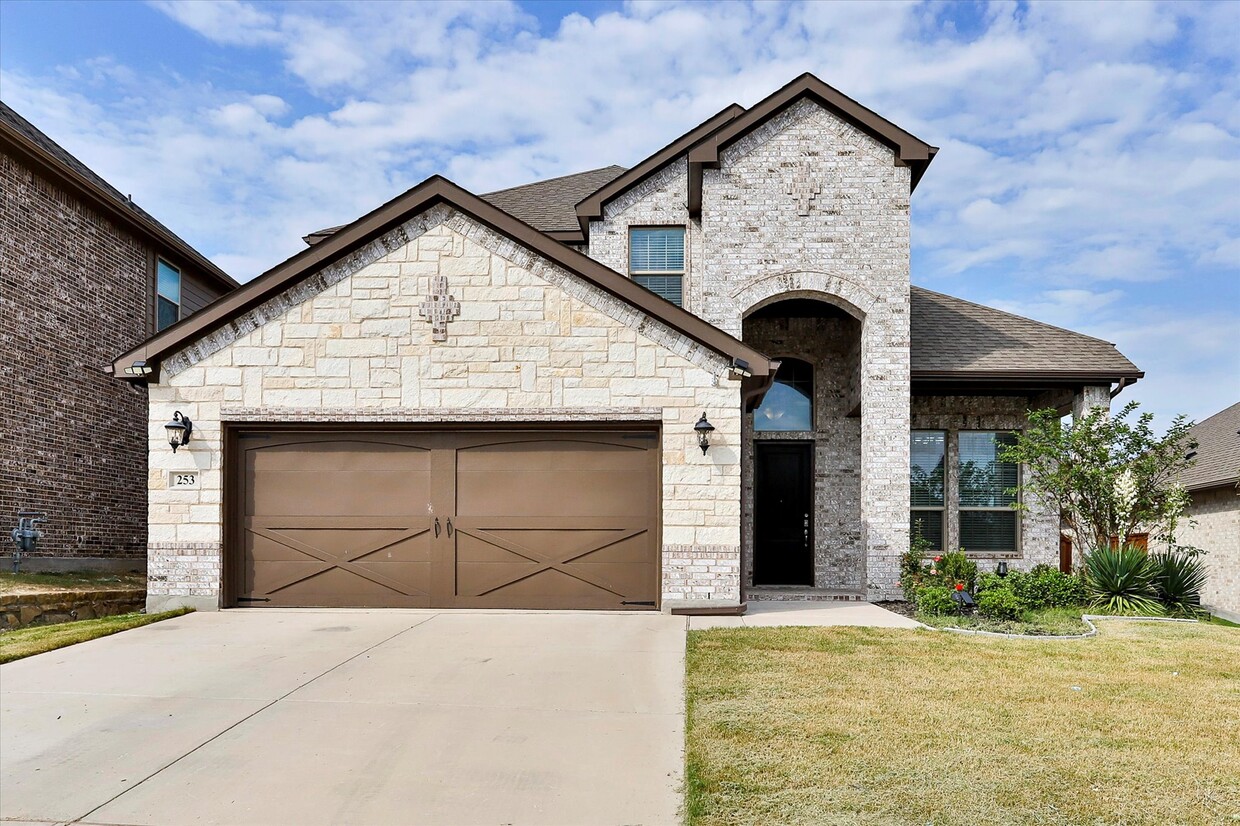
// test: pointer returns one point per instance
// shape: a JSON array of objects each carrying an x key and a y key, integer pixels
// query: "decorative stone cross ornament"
[
  {"x": 804, "y": 187},
  {"x": 439, "y": 308}
]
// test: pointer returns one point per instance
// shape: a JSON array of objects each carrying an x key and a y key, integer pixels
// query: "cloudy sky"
[{"x": 1089, "y": 174}]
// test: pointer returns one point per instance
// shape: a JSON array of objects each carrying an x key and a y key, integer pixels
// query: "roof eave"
[
  {"x": 424, "y": 196},
  {"x": 104, "y": 201}
]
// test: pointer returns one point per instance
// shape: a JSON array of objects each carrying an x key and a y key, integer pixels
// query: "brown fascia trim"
[
  {"x": 1048, "y": 378},
  {"x": 1233, "y": 482},
  {"x": 430, "y": 192},
  {"x": 910, "y": 151},
  {"x": 106, "y": 202},
  {"x": 592, "y": 207}
]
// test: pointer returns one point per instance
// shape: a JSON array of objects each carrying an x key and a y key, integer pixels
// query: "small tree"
[{"x": 1107, "y": 474}]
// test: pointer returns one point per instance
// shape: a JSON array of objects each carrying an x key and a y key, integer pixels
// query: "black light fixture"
[
  {"x": 1002, "y": 569},
  {"x": 138, "y": 368},
  {"x": 703, "y": 429},
  {"x": 178, "y": 430}
]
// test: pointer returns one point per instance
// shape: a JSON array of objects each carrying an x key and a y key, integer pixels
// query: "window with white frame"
[
  {"x": 657, "y": 260},
  {"x": 927, "y": 481},
  {"x": 987, "y": 520},
  {"x": 167, "y": 295}
]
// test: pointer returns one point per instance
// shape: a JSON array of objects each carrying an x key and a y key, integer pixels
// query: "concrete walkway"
[
  {"x": 308, "y": 717},
  {"x": 771, "y": 614}
]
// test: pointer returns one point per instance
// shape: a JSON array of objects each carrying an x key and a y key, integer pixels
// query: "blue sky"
[{"x": 1089, "y": 174}]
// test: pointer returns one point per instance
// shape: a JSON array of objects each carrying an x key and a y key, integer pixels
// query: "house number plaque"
[{"x": 183, "y": 479}]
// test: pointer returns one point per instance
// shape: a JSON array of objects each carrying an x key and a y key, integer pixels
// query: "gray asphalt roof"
[{"x": 1218, "y": 451}]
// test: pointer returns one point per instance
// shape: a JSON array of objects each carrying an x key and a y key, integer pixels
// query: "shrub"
[
  {"x": 1047, "y": 587},
  {"x": 956, "y": 567},
  {"x": 1178, "y": 581},
  {"x": 935, "y": 600},
  {"x": 1121, "y": 581},
  {"x": 989, "y": 581},
  {"x": 999, "y": 603}
]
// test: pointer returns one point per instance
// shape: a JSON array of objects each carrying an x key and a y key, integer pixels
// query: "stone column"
[{"x": 1089, "y": 397}]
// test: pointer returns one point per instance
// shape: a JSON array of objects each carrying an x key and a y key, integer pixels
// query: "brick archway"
[{"x": 849, "y": 296}]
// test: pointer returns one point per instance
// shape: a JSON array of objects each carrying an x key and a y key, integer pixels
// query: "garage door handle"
[
  {"x": 436, "y": 527},
  {"x": 449, "y": 526}
]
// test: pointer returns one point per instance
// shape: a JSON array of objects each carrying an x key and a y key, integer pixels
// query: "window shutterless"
[
  {"x": 657, "y": 260},
  {"x": 927, "y": 482},
  {"x": 987, "y": 521},
  {"x": 167, "y": 295}
]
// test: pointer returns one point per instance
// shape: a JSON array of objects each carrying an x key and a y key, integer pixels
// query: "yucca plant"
[
  {"x": 1121, "y": 581},
  {"x": 1178, "y": 580}
]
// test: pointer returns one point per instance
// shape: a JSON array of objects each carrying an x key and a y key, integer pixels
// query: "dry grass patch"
[
  {"x": 40, "y": 583},
  {"x": 26, "y": 642},
  {"x": 879, "y": 726}
]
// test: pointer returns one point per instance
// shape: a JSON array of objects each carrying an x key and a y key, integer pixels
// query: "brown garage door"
[{"x": 445, "y": 519}]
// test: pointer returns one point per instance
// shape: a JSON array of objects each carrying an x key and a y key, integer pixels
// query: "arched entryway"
[{"x": 801, "y": 457}]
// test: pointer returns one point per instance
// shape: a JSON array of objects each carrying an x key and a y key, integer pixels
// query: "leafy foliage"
[
  {"x": 1178, "y": 580},
  {"x": 1106, "y": 474},
  {"x": 935, "y": 600},
  {"x": 1046, "y": 587},
  {"x": 1121, "y": 581},
  {"x": 1000, "y": 604},
  {"x": 988, "y": 582}
]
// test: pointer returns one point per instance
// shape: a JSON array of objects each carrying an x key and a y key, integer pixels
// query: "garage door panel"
[
  {"x": 352, "y": 492},
  {"x": 579, "y": 493},
  {"x": 526, "y": 520}
]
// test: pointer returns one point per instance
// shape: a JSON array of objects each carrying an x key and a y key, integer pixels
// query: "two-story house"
[
  {"x": 84, "y": 274},
  {"x": 699, "y": 380}
]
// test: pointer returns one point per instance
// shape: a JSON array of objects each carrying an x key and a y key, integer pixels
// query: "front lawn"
[
  {"x": 26, "y": 642},
  {"x": 880, "y": 726}
]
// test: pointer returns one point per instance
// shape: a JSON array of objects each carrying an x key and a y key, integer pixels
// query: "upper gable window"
[
  {"x": 657, "y": 260},
  {"x": 167, "y": 295}
]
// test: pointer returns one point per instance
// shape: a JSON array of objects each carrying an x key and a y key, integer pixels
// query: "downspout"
[{"x": 1120, "y": 387}]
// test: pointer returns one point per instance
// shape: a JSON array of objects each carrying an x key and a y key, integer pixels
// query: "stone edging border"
[{"x": 1086, "y": 618}]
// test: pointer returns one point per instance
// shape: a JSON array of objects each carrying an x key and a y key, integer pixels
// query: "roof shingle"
[
  {"x": 1218, "y": 451},
  {"x": 951, "y": 335}
]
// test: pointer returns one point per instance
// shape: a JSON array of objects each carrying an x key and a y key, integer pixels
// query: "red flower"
[
  {"x": 938, "y": 559},
  {"x": 959, "y": 586}
]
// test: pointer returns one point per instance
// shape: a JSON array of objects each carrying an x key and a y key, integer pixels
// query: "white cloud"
[{"x": 1090, "y": 159}]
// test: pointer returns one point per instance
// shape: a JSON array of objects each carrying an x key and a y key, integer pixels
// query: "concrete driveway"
[{"x": 351, "y": 717}]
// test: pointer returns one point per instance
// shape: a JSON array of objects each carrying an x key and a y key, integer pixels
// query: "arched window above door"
[{"x": 789, "y": 404}]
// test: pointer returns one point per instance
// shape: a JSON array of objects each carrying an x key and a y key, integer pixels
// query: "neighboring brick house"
[
  {"x": 1214, "y": 485},
  {"x": 79, "y": 267},
  {"x": 497, "y": 401}
]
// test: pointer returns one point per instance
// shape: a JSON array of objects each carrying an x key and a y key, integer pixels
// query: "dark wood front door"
[
  {"x": 783, "y": 513},
  {"x": 446, "y": 519}
]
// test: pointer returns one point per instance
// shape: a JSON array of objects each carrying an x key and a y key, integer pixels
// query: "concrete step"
[{"x": 797, "y": 593}]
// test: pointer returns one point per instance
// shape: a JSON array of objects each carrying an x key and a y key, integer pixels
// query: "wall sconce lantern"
[
  {"x": 1002, "y": 570},
  {"x": 703, "y": 429},
  {"x": 178, "y": 430}
]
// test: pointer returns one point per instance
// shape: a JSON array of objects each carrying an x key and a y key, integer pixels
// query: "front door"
[{"x": 783, "y": 513}]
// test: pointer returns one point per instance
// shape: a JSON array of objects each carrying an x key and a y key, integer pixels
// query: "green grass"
[
  {"x": 882, "y": 726},
  {"x": 1057, "y": 622},
  {"x": 1220, "y": 621},
  {"x": 11, "y": 583},
  {"x": 26, "y": 642}
]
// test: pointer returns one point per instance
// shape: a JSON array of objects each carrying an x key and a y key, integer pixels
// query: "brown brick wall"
[{"x": 73, "y": 289}]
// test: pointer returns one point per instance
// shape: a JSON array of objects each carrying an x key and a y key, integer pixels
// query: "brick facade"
[
  {"x": 1216, "y": 513},
  {"x": 74, "y": 288},
  {"x": 531, "y": 340}
]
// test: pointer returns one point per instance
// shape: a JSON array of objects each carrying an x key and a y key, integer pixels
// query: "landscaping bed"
[
  {"x": 881, "y": 726},
  {"x": 50, "y": 598}
]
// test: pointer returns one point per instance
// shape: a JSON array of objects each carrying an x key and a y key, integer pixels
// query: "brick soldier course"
[{"x": 438, "y": 308}]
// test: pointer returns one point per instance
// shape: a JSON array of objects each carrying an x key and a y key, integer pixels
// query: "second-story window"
[
  {"x": 657, "y": 260},
  {"x": 167, "y": 295}
]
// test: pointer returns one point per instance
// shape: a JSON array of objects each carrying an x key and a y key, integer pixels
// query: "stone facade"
[
  {"x": 758, "y": 241},
  {"x": 73, "y": 294},
  {"x": 531, "y": 340},
  {"x": 1037, "y": 527},
  {"x": 1216, "y": 512}
]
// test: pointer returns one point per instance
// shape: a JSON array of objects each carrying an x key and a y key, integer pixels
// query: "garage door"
[{"x": 445, "y": 519}]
